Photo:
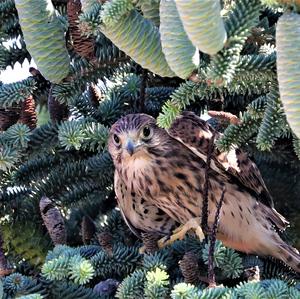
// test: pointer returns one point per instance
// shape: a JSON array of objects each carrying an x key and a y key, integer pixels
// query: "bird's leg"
[{"x": 180, "y": 232}]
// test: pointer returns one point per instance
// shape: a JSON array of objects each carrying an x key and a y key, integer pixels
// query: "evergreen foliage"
[
  {"x": 98, "y": 61},
  {"x": 74, "y": 271}
]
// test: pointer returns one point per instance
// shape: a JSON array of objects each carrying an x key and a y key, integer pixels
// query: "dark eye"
[
  {"x": 147, "y": 132},
  {"x": 116, "y": 139}
]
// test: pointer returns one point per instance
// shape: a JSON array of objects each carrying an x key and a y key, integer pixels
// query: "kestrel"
[{"x": 159, "y": 183}]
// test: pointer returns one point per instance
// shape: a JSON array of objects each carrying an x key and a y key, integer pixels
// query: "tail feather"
[{"x": 289, "y": 256}]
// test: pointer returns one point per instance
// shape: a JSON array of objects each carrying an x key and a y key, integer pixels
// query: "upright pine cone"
[
  {"x": 58, "y": 112},
  {"x": 53, "y": 220},
  {"x": 88, "y": 229},
  {"x": 150, "y": 242},
  {"x": 8, "y": 117},
  {"x": 190, "y": 268},
  {"x": 84, "y": 46},
  {"x": 94, "y": 95},
  {"x": 28, "y": 113}
]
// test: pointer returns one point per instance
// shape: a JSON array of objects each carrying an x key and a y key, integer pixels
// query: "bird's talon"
[
  {"x": 180, "y": 232},
  {"x": 142, "y": 250},
  {"x": 163, "y": 242}
]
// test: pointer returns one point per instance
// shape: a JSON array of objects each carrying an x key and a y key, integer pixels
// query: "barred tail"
[{"x": 288, "y": 255}]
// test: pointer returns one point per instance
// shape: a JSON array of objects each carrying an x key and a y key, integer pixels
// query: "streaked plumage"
[
  {"x": 164, "y": 172},
  {"x": 196, "y": 134}
]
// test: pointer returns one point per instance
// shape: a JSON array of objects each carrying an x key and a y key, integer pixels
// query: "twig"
[
  {"x": 211, "y": 250},
  {"x": 204, "y": 218}
]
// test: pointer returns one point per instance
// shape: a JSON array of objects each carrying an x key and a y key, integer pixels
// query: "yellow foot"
[
  {"x": 180, "y": 232},
  {"x": 142, "y": 250}
]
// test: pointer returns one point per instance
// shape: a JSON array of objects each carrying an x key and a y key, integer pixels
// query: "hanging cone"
[
  {"x": 53, "y": 221},
  {"x": 28, "y": 113},
  {"x": 105, "y": 241},
  {"x": 88, "y": 229},
  {"x": 150, "y": 242},
  {"x": 84, "y": 46},
  {"x": 8, "y": 117},
  {"x": 94, "y": 95},
  {"x": 58, "y": 112},
  {"x": 190, "y": 268}
]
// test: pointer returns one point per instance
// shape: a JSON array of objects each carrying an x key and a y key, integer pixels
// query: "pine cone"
[
  {"x": 88, "y": 229},
  {"x": 150, "y": 242},
  {"x": 58, "y": 112},
  {"x": 53, "y": 220},
  {"x": 28, "y": 113},
  {"x": 94, "y": 95},
  {"x": 8, "y": 117},
  {"x": 84, "y": 46},
  {"x": 190, "y": 268},
  {"x": 105, "y": 241}
]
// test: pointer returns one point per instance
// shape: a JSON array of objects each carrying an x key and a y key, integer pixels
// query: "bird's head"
[{"x": 133, "y": 136}]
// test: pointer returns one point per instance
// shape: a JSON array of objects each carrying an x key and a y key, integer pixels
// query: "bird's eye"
[
  {"x": 146, "y": 133},
  {"x": 116, "y": 139}
]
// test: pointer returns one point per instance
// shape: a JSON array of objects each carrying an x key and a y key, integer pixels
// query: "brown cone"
[
  {"x": 94, "y": 95},
  {"x": 88, "y": 229},
  {"x": 58, "y": 112},
  {"x": 105, "y": 241},
  {"x": 28, "y": 113},
  {"x": 190, "y": 268},
  {"x": 150, "y": 242},
  {"x": 53, "y": 221},
  {"x": 84, "y": 46}
]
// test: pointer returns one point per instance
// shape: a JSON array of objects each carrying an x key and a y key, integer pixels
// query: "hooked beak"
[{"x": 130, "y": 147}]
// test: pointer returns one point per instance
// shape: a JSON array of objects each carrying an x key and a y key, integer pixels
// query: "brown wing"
[{"x": 196, "y": 134}]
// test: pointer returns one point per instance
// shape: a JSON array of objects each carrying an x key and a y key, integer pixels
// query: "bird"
[{"x": 159, "y": 184}]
